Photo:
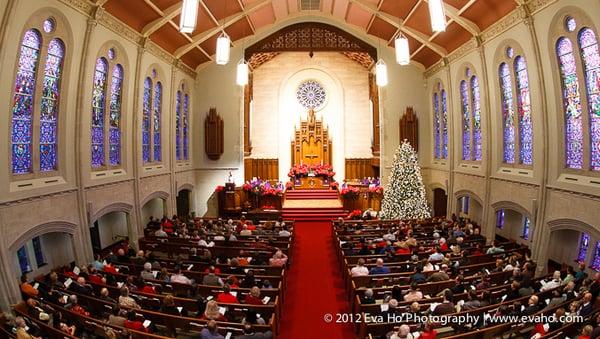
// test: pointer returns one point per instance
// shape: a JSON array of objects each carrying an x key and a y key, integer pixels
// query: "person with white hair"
[
  {"x": 368, "y": 297},
  {"x": 147, "y": 271},
  {"x": 553, "y": 283},
  {"x": 402, "y": 333}
]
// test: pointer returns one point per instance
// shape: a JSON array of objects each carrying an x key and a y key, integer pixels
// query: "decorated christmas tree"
[{"x": 404, "y": 194}]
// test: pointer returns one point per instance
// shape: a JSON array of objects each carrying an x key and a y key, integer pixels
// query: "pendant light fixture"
[
  {"x": 242, "y": 73},
  {"x": 189, "y": 13},
  {"x": 223, "y": 44},
  {"x": 402, "y": 50},
  {"x": 437, "y": 15},
  {"x": 381, "y": 75}
]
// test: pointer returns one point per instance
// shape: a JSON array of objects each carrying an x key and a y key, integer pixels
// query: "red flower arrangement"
[
  {"x": 219, "y": 188},
  {"x": 376, "y": 189},
  {"x": 354, "y": 214},
  {"x": 318, "y": 170},
  {"x": 247, "y": 187},
  {"x": 272, "y": 191},
  {"x": 289, "y": 185},
  {"x": 334, "y": 185},
  {"x": 350, "y": 192}
]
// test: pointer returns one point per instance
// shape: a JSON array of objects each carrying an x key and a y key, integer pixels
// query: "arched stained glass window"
[
  {"x": 436, "y": 126},
  {"x": 178, "y": 112},
  {"x": 588, "y": 44},
  {"x": 524, "y": 109},
  {"x": 49, "y": 106},
  {"x": 444, "y": 119},
  {"x": 596, "y": 261},
  {"x": 571, "y": 105},
  {"x": 466, "y": 120},
  {"x": 476, "y": 108},
  {"x": 23, "y": 102},
  {"x": 156, "y": 121},
  {"x": 508, "y": 121},
  {"x": 146, "y": 119},
  {"x": 186, "y": 117},
  {"x": 116, "y": 90},
  {"x": 584, "y": 243},
  {"x": 98, "y": 112}
]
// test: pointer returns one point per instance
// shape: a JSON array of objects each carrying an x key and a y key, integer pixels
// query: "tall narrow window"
[
  {"x": 156, "y": 122},
  {"x": 146, "y": 119},
  {"x": 588, "y": 44},
  {"x": 571, "y": 105},
  {"x": 178, "y": 112},
  {"x": 444, "y": 119},
  {"x": 500, "y": 219},
  {"x": 583, "y": 247},
  {"x": 116, "y": 88},
  {"x": 476, "y": 108},
  {"x": 596, "y": 261},
  {"x": 436, "y": 126},
  {"x": 23, "y": 102},
  {"x": 508, "y": 121},
  {"x": 49, "y": 106},
  {"x": 526, "y": 227},
  {"x": 466, "y": 119},
  {"x": 524, "y": 109},
  {"x": 37, "y": 250},
  {"x": 186, "y": 117},
  {"x": 98, "y": 112},
  {"x": 23, "y": 260}
]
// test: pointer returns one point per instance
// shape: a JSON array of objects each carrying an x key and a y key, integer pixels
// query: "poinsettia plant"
[
  {"x": 376, "y": 189},
  {"x": 318, "y": 170},
  {"x": 334, "y": 185},
  {"x": 219, "y": 188},
  {"x": 355, "y": 214},
  {"x": 350, "y": 192},
  {"x": 289, "y": 185}
]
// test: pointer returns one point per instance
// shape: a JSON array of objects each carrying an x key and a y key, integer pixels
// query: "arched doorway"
[
  {"x": 41, "y": 253},
  {"x": 183, "y": 203},
  {"x": 469, "y": 207},
  {"x": 512, "y": 224},
  {"x": 572, "y": 241},
  {"x": 109, "y": 229},
  {"x": 440, "y": 202},
  {"x": 155, "y": 207}
]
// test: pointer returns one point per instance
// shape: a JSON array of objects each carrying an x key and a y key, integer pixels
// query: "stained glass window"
[
  {"x": 23, "y": 260},
  {"x": 524, "y": 108},
  {"x": 178, "y": 125},
  {"x": 186, "y": 116},
  {"x": 500, "y": 219},
  {"x": 22, "y": 108},
  {"x": 436, "y": 125},
  {"x": 465, "y": 204},
  {"x": 588, "y": 44},
  {"x": 466, "y": 121},
  {"x": 98, "y": 112},
  {"x": 156, "y": 119},
  {"x": 146, "y": 118},
  {"x": 444, "y": 119},
  {"x": 49, "y": 25},
  {"x": 476, "y": 108},
  {"x": 583, "y": 247},
  {"x": 508, "y": 121},
  {"x": 49, "y": 106},
  {"x": 526, "y": 227},
  {"x": 570, "y": 23},
  {"x": 114, "y": 134},
  {"x": 596, "y": 262},
  {"x": 37, "y": 250},
  {"x": 571, "y": 104}
]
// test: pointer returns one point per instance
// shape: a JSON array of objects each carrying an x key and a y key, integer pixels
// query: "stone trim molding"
[
  {"x": 115, "y": 207},
  {"x": 511, "y": 205},
  {"x": 41, "y": 229},
  {"x": 157, "y": 194},
  {"x": 464, "y": 193}
]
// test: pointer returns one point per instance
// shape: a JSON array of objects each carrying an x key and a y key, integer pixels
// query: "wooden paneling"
[
  {"x": 214, "y": 137},
  {"x": 359, "y": 168},
  {"x": 374, "y": 97},
  {"x": 409, "y": 128},
  {"x": 248, "y": 94},
  {"x": 311, "y": 144},
  {"x": 267, "y": 169}
]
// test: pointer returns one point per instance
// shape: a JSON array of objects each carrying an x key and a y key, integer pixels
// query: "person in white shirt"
[
  {"x": 359, "y": 270},
  {"x": 161, "y": 233},
  {"x": 245, "y": 231},
  {"x": 284, "y": 232},
  {"x": 203, "y": 243},
  {"x": 180, "y": 278},
  {"x": 555, "y": 282},
  {"x": 437, "y": 255}
]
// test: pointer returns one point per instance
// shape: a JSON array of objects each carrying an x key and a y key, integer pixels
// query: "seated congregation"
[
  {"x": 199, "y": 278},
  {"x": 438, "y": 278}
]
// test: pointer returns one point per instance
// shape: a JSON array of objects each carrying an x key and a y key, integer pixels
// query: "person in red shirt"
[
  {"x": 134, "y": 324},
  {"x": 428, "y": 332},
  {"x": 254, "y": 297},
  {"x": 147, "y": 288},
  {"x": 109, "y": 268},
  {"x": 226, "y": 296},
  {"x": 26, "y": 287},
  {"x": 212, "y": 312}
]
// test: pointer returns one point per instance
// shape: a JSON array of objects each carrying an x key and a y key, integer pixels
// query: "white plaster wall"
[
  {"x": 153, "y": 208},
  {"x": 111, "y": 227}
]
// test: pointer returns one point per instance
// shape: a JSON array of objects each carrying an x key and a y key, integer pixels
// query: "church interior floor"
[
  {"x": 315, "y": 203},
  {"x": 314, "y": 286}
]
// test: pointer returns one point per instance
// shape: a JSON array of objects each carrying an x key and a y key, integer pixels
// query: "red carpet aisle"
[{"x": 314, "y": 286}]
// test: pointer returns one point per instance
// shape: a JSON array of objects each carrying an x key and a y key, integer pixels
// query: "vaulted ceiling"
[{"x": 159, "y": 20}]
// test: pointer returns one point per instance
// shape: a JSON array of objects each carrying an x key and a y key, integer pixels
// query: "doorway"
[
  {"x": 440, "y": 202},
  {"x": 183, "y": 203}
]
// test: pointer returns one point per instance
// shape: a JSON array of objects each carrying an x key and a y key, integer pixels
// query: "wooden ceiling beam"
[
  {"x": 465, "y": 23},
  {"x": 167, "y": 16},
  {"x": 200, "y": 38}
]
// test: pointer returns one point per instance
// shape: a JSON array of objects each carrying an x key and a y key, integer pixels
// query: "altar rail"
[{"x": 364, "y": 200}]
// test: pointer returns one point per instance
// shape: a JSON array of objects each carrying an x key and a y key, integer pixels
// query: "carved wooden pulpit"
[{"x": 311, "y": 144}]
